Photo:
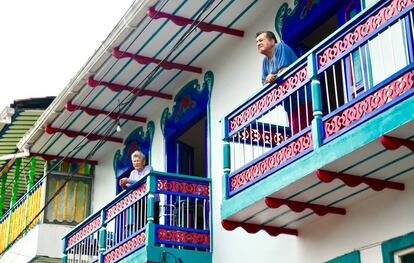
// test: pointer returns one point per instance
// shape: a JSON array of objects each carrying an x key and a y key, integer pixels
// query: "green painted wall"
[
  {"x": 389, "y": 247},
  {"x": 352, "y": 257}
]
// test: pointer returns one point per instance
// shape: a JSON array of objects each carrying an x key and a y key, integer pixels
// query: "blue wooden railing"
[
  {"x": 161, "y": 209},
  {"x": 360, "y": 70}
]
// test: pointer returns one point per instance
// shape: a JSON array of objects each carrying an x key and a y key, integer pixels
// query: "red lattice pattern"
[
  {"x": 183, "y": 187},
  {"x": 256, "y": 136},
  {"x": 362, "y": 30},
  {"x": 267, "y": 99},
  {"x": 127, "y": 200},
  {"x": 84, "y": 231},
  {"x": 369, "y": 104},
  {"x": 125, "y": 248},
  {"x": 181, "y": 236},
  {"x": 282, "y": 155}
]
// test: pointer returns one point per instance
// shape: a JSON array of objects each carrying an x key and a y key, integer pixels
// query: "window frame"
[{"x": 399, "y": 244}]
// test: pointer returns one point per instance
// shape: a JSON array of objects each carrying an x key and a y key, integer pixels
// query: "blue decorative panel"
[
  {"x": 191, "y": 101},
  {"x": 136, "y": 140},
  {"x": 294, "y": 23}
]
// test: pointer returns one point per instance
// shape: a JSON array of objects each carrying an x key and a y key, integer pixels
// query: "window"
[
  {"x": 404, "y": 256},
  {"x": 399, "y": 249},
  {"x": 72, "y": 204}
]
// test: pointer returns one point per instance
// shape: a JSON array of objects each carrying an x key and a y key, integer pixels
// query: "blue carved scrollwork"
[
  {"x": 190, "y": 101},
  {"x": 136, "y": 140}
]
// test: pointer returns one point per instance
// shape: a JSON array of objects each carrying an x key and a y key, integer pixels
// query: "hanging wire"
[{"x": 112, "y": 125}]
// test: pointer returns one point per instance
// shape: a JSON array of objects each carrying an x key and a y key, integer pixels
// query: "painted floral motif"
[
  {"x": 180, "y": 236},
  {"x": 125, "y": 248},
  {"x": 183, "y": 187},
  {"x": 362, "y": 30},
  {"x": 84, "y": 231},
  {"x": 282, "y": 155},
  {"x": 126, "y": 201},
  {"x": 260, "y": 137},
  {"x": 369, "y": 104}
]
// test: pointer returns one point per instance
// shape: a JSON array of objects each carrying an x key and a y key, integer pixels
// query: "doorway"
[{"x": 187, "y": 149}]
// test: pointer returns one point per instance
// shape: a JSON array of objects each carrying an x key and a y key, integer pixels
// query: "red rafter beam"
[
  {"x": 298, "y": 207},
  {"x": 147, "y": 60},
  {"x": 137, "y": 91},
  {"x": 113, "y": 115},
  {"x": 49, "y": 157},
  {"x": 93, "y": 137},
  {"x": 183, "y": 21},
  {"x": 393, "y": 143},
  {"x": 252, "y": 228},
  {"x": 353, "y": 180}
]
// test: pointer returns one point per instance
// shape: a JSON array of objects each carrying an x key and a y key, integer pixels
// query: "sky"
[{"x": 44, "y": 43}]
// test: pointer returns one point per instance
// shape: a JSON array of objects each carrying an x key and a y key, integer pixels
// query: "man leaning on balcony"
[{"x": 277, "y": 57}]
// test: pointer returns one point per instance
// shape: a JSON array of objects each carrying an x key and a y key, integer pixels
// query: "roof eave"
[{"x": 124, "y": 27}]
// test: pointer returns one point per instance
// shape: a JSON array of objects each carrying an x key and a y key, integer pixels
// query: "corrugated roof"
[{"x": 14, "y": 126}]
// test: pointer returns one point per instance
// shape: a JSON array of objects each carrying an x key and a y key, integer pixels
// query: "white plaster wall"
[
  {"x": 371, "y": 253},
  {"x": 50, "y": 239},
  {"x": 103, "y": 189},
  {"x": 237, "y": 76},
  {"x": 42, "y": 240},
  {"x": 382, "y": 216}
]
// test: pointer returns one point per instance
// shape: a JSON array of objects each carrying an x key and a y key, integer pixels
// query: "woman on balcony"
[{"x": 140, "y": 170}]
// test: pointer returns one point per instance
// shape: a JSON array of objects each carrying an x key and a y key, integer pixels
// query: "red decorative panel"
[
  {"x": 126, "y": 201},
  {"x": 252, "y": 228},
  {"x": 181, "y": 236},
  {"x": 268, "y": 98},
  {"x": 374, "y": 101},
  {"x": 125, "y": 248},
  {"x": 282, "y": 155},
  {"x": 183, "y": 187},
  {"x": 257, "y": 136},
  {"x": 363, "y": 29},
  {"x": 84, "y": 231}
]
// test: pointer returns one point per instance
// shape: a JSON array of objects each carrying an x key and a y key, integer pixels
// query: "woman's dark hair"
[{"x": 269, "y": 35}]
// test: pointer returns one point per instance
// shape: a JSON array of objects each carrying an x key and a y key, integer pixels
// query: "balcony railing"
[
  {"x": 359, "y": 71},
  {"x": 69, "y": 207},
  {"x": 22, "y": 216},
  {"x": 164, "y": 210}
]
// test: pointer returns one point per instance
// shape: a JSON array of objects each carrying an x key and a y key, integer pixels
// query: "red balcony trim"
[
  {"x": 298, "y": 207},
  {"x": 113, "y": 115},
  {"x": 183, "y": 21},
  {"x": 258, "y": 104},
  {"x": 49, "y": 157},
  {"x": 137, "y": 91},
  {"x": 353, "y": 180},
  {"x": 92, "y": 137},
  {"x": 147, "y": 60},
  {"x": 369, "y": 104},
  {"x": 252, "y": 228},
  {"x": 393, "y": 143},
  {"x": 361, "y": 30}
]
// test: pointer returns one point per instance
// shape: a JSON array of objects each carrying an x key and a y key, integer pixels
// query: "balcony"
[
  {"x": 26, "y": 220},
  {"x": 336, "y": 125},
  {"x": 161, "y": 218}
]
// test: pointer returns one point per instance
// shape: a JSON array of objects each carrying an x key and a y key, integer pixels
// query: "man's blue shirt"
[{"x": 283, "y": 56}]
